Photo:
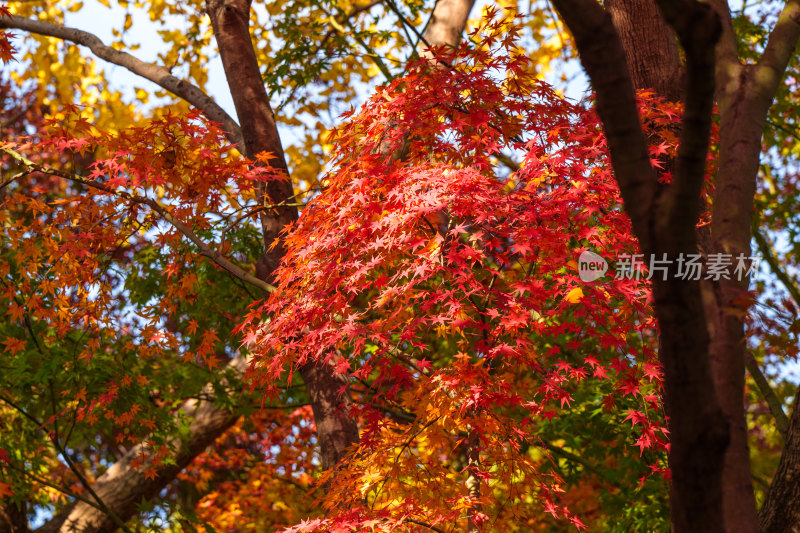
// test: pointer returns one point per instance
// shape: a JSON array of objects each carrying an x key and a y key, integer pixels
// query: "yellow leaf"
[{"x": 575, "y": 295}]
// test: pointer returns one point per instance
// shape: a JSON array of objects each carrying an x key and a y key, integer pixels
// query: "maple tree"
[{"x": 427, "y": 357}]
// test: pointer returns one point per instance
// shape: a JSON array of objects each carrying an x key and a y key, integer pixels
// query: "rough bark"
[
  {"x": 651, "y": 50},
  {"x": 698, "y": 28},
  {"x": 664, "y": 219},
  {"x": 780, "y": 512},
  {"x": 724, "y": 316}
]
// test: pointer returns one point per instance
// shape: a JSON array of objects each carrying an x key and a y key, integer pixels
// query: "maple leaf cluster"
[
  {"x": 446, "y": 293},
  {"x": 6, "y": 48}
]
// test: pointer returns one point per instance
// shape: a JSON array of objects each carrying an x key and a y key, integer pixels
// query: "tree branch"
[
  {"x": 727, "y": 49},
  {"x": 775, "y": 407},
  {"x": 781, "y": 44},
  {"x": 232, "y": 268},
  {"x": 774, "y": 265},
  {"x": 158, "y": 75},
  {"x": 446, "y": 23},
  {"x": 124, "y": 484}
]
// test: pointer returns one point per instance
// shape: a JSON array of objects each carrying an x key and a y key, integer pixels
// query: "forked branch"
[{"x": 157, "y": 74}]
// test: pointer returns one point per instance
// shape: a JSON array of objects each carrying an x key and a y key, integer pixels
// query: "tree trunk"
[
  {"x": 743, "y": 105},
  {"x": 447, "y": 22},
  {"x": 651, "y": 49},
  {"x": 336, "y": 430},
  {"x": 664, "y": 219},
  {"x": 731, "y": 218},
  {"x": 780, "y": 512},
  {"x": 230, "y": 20},
  {"x": 13, "y": 518},
  {"x": 744, "y": 96},
  {"x": 653, "y": 63}
]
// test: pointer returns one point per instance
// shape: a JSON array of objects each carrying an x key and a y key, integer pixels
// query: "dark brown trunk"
[
  {"x": 664, "y": 221},
  {"x": 13, "y": 518},
  {"x": 230, "y": 20},
  {"x": 780, "y": 512},
  {"x": 741, "y": 126},
  {"x": 651, "y": 48},
  {"x": 654, "y": 63},
  {"x": 744, "y": 95},
  {"x": 698, "y": 434}
]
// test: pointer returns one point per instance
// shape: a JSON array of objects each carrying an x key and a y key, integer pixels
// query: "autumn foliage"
[
  {"x": 439, "y": 285},
  {"x": 448, "y": 295}
]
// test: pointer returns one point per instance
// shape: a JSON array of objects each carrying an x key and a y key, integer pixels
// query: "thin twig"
[
  {"x": 775, "y": 407},
  {"x": 161, "y": 210}
]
